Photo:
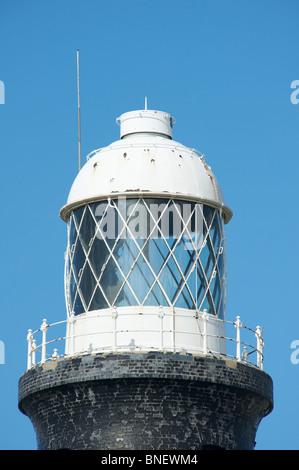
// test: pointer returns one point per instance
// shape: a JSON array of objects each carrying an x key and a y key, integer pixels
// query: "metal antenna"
[
  {"x": 79, "y": 124},
  {"x": 145, "y": 104}
]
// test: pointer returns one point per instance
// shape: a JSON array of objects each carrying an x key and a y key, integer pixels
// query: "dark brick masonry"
[{"x": 145, "y": 401}]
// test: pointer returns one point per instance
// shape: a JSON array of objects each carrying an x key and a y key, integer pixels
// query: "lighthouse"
[{"x": 149, "y": 358}]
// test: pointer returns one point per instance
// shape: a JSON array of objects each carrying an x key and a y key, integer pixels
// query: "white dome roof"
[{"x": 145, "y": 162}]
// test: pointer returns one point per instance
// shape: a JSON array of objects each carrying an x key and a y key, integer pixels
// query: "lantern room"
[{"x": 145, "y": 259}]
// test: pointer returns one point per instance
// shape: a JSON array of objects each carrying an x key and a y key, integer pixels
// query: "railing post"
[
  {"x": 44, "y": 328},
  {"x": 55, "y": 354},
  {"x": 71, "y": 339},
  {"x": 259, "y": 347},
  {"x": 161, "y": 316},
  {"x": 238, "y": 325},
  {"x": 29, "y": 358},
  {"x": 205, "y": 318},
  {"x": 244, "y": 354},
  {"x": 33, "y": 352},
  {"x": 114, "y": 315}
]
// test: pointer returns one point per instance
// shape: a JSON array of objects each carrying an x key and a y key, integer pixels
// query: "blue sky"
[{"x": 224, "y": 71}]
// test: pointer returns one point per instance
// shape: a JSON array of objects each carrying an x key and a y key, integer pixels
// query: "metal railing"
[{"x": 239, "y": 346}]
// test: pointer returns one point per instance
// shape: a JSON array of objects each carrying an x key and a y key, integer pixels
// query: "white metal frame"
[{"x": 195, "y": 262}]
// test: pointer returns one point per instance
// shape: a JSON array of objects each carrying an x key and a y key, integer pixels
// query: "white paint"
[
  {"x": 145, "y": 121},
  {"x": 145, "y": 163},
  {"x": 144, "y": 329}
]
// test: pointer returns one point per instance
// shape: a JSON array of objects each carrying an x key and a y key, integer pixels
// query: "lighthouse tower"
[{"x": 148, "y": 358}]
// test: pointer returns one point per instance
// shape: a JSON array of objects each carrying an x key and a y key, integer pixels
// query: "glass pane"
[
  {"x": 176, "y": 275},
  {"x": 72, "y": 231},
  {"x": 185, "y": 300},
  {"x": 208, "y": 213},
  {"x": 87, "y": 230},
  {"x": 138, "y": 220},
  {"x": 201, "y": 284},
  {"x": 183, "y": 256},
  {"x": 107, "y": 223},
  {"x": 78, "y": 305},
  {"x": 171, "y": 279},
  {"x": 125, "y": 297},
  {"x": 98, "y": 301},
  {"x": 156, "y": 207},
  {"x": 87, "y": 284},
  {"x": 207, "y": 258},
  {"x": 78, "y": 259},
  {"x": 215, "y": 235},
  {"x": 98, "y": 255},
  {"x": 72, "y": 290},
  {"x": 215, "y": 291},
  {"x": 171, "y": 222},
  {"x": 191, "y": 281},
  {"x": 126, "y": 252},
  {"x": 141, "y": 279},
  {"x": 78, "y": 216},
  {"x": 156, "y": 297},
  {"x": 208, "y": 304},
  {"x": 111, "y": 280},
  {"x": 156, "y": 251}
]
